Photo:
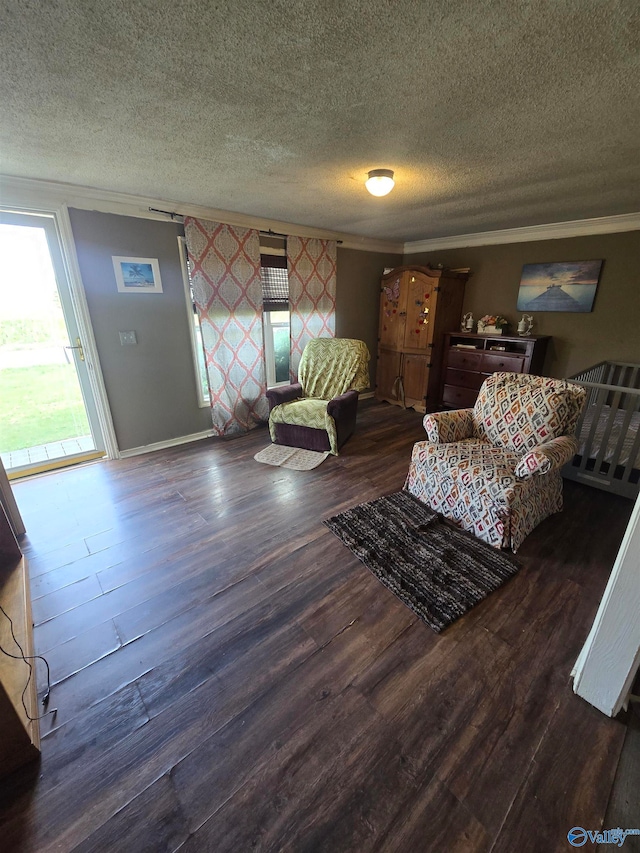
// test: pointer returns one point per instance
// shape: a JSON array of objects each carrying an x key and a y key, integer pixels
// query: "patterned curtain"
[
  {"x": 312, "y": 293},
  {"x": 227, "y": 290}
]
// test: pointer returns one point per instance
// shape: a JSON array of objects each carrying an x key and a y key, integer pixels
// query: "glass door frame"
[{"x": 76, "y": 308}]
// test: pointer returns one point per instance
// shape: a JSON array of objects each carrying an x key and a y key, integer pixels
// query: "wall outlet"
[{"x": 128, "y": 338}]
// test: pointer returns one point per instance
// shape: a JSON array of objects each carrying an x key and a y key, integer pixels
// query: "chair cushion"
[
  {"x": 519, "y": 412},
  {"x": 308, "y": 412},
  {"x": 479, "y": 467}
]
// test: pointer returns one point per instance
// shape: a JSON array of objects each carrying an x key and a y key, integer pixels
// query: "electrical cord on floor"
[{"x": 27, "y": 659}]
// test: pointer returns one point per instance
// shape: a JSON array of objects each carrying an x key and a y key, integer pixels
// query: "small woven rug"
[
  {"x": 291, "y": 457},
  {"x": 436, "y": 570}
]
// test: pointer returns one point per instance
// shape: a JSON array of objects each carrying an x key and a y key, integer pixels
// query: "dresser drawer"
[
  {"x": 465, "y": 378},
  {"x": 496, "y": 361},
  {"x": 465, "y": 359},
  {"x": 459, "y": 398}
]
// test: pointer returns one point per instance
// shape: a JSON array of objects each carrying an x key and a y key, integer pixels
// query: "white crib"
[{"x": 608, "y": 431}]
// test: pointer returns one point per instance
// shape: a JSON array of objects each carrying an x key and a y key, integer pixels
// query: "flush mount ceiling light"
[{"x": 380, "y": 181}]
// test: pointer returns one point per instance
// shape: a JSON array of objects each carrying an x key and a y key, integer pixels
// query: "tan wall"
[
  {"x": 610, "y": 332},
  {"x": 357, "y": 296},
  {"x": 151, "y": 386}
]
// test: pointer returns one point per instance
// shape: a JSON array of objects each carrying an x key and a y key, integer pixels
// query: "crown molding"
[
  {"x": 39, "y": 195},
  {"x": 530, "y": 233},
  {"x": 35, "y": 194}
]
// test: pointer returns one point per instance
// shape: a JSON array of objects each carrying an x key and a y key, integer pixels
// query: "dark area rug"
[{"x": 436, "y": 570}]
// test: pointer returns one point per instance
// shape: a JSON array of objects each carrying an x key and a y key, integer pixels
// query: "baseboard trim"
[
  {"x": 185, "y": 439},
  {"x": 369, "y": 395},
  {"x": 164, "y": 445}
]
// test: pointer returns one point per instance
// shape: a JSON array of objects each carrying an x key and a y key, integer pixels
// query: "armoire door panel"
[
  {"x": 388, "y": 370},
  {"x": 393, "y": 299},
  {"x": 415, "y": 377},
  {"x": 420, "y": 312}
]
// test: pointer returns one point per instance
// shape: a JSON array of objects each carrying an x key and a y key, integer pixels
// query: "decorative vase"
[
  {"x": 466, "y": 324},
  {"x": 489, "y": 330},
  {"x": 525, "y": 325}
]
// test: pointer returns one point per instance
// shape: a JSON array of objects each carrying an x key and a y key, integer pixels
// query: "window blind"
[{"x": 275, "y": 283}]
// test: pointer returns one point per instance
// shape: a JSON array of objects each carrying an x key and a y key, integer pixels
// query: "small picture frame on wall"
[
  {"x": 137, "y": 275},
  {"x": 569, "y": 286}
]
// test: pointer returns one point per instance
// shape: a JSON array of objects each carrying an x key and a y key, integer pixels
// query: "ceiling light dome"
[{"x": 380, "y": 181}]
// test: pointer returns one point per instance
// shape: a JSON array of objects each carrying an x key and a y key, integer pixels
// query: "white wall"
[{"x": 609, "y": 660}]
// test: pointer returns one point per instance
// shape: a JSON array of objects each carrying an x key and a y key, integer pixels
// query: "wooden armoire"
[{"x": 417, "y": 306}]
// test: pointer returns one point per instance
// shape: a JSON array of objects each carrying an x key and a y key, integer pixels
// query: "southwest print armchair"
[
  {"x": 319, "y": 412},
  {"x": 494, "y": 470}
]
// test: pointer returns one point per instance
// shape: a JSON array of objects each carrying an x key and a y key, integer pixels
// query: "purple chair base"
[{"x": 302, "y": 436}]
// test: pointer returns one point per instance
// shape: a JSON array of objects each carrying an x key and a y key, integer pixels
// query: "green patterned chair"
[
  {"x": 494, "y": 470},
  {"x": 319, "y": 411}
]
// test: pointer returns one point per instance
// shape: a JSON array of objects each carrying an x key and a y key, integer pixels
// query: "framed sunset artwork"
[{"x": 566, "y": 286}]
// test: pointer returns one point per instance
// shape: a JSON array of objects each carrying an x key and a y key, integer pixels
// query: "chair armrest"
[
  {"x": 283, "y": 394},
  {"x": 343, "y": 405},
  {"x": 443, "y": 427},
  {"x": 547, "y": 457}
]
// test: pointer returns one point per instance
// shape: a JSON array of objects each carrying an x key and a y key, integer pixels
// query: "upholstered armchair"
[
  {"x": 494, "y": 470},
  {"x": 319, "y": 411}
]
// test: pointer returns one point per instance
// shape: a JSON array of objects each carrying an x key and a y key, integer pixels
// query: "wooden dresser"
[
  {"x": 469, "y": 358},
  {"x": 417, "y": 306}
]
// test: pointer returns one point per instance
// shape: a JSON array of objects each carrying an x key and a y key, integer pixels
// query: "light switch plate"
[{"x": 128, "y": 338}]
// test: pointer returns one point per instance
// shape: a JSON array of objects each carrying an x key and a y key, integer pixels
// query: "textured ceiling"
[{"x": 493, "y": 114}]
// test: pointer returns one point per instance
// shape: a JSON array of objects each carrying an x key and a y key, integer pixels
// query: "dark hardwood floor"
[{"x": 228, "y": 676}]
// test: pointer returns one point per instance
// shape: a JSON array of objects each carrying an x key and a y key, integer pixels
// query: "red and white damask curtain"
[
  {"x": 311, "y": 267},
  {"x": 227, "y": 291}
]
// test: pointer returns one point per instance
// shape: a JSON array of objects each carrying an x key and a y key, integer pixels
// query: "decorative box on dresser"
[
  {"x": 19, "y": 735},
  {"x": 469, "y": 358},
  {"x": 417, "y": 305}
]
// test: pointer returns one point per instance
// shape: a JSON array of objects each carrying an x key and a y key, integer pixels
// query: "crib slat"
[
  {"x": 597, "y": 411},
  {"x": 606, "y": 434},
  {"x": 629, "y": 410},
  {"x": 633, "y": 453}
]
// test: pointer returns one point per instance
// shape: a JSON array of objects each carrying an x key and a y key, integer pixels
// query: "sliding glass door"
[{"x": 48, "y": 415}]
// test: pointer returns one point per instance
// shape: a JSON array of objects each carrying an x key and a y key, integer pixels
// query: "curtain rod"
[
  {"x": 267, "y": 233},
  {"x": 270, "y": 233},
  {"x": 170, "y": 213}
]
